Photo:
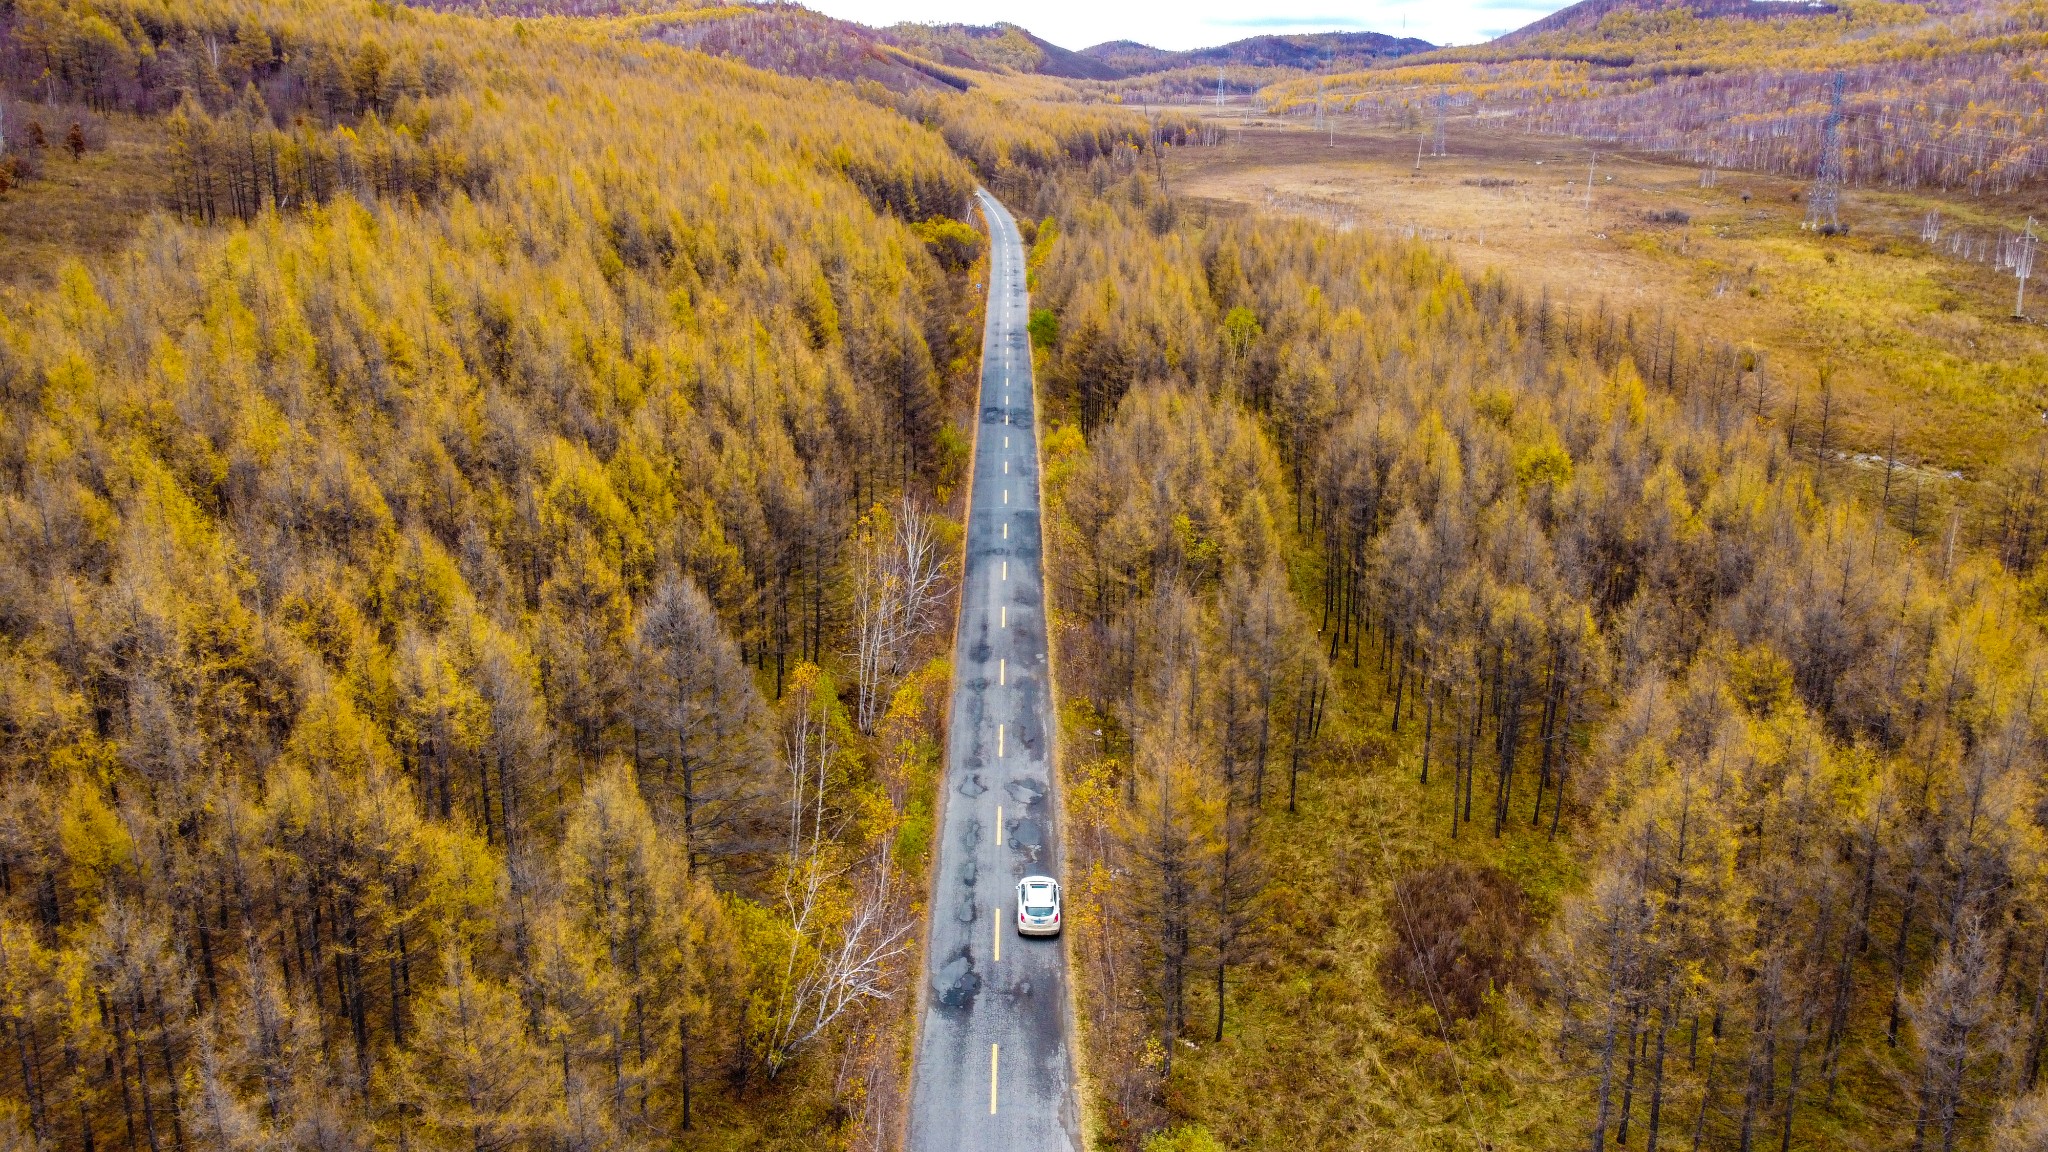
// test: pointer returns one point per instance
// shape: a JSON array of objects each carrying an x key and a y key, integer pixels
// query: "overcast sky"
[{"x": 1201, "y": 23}]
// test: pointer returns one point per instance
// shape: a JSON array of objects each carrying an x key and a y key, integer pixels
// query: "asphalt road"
[{"x": 995, "y": 1066}]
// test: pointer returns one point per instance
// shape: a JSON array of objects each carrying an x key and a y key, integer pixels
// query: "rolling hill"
[
  {"x": 1305, "y": 51},
  {"x": 1587, "y": 14},
  {"x": 998, "y": 46}
]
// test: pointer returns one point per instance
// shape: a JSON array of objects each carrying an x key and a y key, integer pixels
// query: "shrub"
[
  {"x": 954, "y": 244},
  {"x": 1459, "y": 932},
  {"x": 1183, "y": 1138},
  {"x": 1044, "y": 327}
]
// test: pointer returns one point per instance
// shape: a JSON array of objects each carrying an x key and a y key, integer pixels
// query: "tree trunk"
[
  {"x": 1792, "y": 1091},
  {"x": 1636, "y": 1041},
  {"x": 1605, "y": 1094},
  {"x": 683, "y": 1072},
  {"x": 1657, "y": 1076},
  {"x": 1891, "y": 1031}
]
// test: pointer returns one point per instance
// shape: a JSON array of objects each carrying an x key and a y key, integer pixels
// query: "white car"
[{"x": 1038, "y": 906}]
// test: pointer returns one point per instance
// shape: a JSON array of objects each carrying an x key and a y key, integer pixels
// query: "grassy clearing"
[
  {"x": 1312, "y": 1024},
  {"x": 87, "y": 208}
]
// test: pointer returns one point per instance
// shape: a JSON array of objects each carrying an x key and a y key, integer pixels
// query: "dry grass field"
[
  {"x": 86, "y": 208},
  {"x": 1914, "y": 339}
]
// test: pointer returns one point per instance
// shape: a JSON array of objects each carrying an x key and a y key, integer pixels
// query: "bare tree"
[
  {"x": 1956, "y": 1026},
  {"x": 1599, "y": 959},
  {"x": 698, "y": 700},
  {"x": 517, "y": 744},
  {"x": 898, "y": 579},
  {"x": 836, "y": 959}
]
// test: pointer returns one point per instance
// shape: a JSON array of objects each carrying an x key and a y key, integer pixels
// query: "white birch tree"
[{"x": 899, "y": 579}]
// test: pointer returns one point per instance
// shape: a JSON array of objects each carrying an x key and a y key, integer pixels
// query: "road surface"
[{"x": 995, "y": 1067}]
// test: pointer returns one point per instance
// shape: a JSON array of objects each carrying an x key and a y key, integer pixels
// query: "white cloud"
[{"x": 1196, "y": 23}]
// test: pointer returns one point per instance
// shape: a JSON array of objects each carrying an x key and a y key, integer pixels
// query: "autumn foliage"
[
  {"x": 423, "y": 569},
  {"x": 1763, "y": 765}
]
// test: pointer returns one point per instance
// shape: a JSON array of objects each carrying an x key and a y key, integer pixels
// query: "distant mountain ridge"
[
  {"x": 1302, "y": 50},
  {"x": 788, "y": 37},
  {"x": 1587, "y": 14}
]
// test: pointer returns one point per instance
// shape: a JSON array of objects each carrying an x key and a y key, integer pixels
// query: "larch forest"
[{"x": 481, "y": 496}]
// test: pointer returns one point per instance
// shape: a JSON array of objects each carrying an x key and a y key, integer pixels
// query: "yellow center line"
[
  {"x": 999, "y": 741},
  {"x": 1006, "y": 529},
  {"x": 1006, "y": 563},
  {"x": 992, "y": 1050},
  {"x": 1006, "y": 615},
  {"x": 999, "y": 934},
  {"x": 1003, "y": 671}
]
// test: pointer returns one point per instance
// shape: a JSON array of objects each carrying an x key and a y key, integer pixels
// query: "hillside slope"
[
  {"x": 1001, "y": 46},
  {"x": 1586, "y": 15}
]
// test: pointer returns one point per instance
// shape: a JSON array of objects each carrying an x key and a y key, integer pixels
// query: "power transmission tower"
[
  {"x": 1326, "y": 122},
  {"x": 1823, "y": 200},
  {"x": 1438, "y": 148},
  {"x": 1590, "y": 162},
  {"x": 1219, "y": 89},
  {"x": 2023, "y": 267}
]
